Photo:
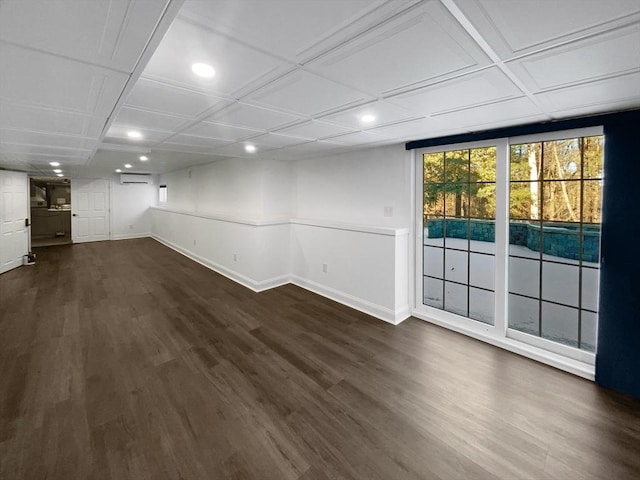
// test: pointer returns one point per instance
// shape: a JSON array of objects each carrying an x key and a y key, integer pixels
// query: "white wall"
[
  {"x": 355, "y": 187},
  {"x": 367, "y": 266},
  {"x": 247, "y": 188},
  {"x": 130, "y": 214},
  {"x": 265, "y": 222}
]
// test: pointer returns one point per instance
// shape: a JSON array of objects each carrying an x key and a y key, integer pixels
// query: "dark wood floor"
[{"x": 125, "y": 360}]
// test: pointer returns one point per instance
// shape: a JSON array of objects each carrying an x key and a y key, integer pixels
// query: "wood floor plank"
[{"x": 125, "y": 360}]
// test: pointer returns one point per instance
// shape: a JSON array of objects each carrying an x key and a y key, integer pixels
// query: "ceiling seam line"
[{"x": 453, "y": 8}]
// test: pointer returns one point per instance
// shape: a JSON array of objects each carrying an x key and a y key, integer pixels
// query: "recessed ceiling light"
[
  {"x": 57, "y": 170},
  {"x": 203, "y": 70},
  {"x": 118, "y": 170},
  {"x": 250, "y": 148},
  {"x": 134, "y": 134},
  {"x": 367, "y": 118},
  {"x": 144, "y": 158},
  {"x": 127, "y": 165},
  {"x": 60, "y": 174},
  {"x": 54, "y": 164}
]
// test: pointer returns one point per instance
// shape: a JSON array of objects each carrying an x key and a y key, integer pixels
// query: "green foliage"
[
  {"x": 549, "y": 180},
  {"x": 454, "y": 183}
]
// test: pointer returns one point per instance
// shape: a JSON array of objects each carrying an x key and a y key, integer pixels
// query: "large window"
[
  {"x": 510, "y": 238},
  {"x": 459, "y": 212},
  {"x": 554, "y": 238}
]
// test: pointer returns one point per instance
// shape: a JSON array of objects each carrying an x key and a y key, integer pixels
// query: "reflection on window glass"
[
  {"x": 459, "y": 193},
  {"x": 554, "y": 239},
  {"x": 561, "y": 201}
]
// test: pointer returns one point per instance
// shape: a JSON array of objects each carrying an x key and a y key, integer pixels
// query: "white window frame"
[{"x": 570, "y": 359}]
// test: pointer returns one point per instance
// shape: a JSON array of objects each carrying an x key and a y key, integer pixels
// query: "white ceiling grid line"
[
  {"x": 468, "y": 26},
  {"x": 296, "y": 79}
]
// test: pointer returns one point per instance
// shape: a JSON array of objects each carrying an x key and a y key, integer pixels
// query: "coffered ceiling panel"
[
  {"x": 357, "y": 138},
  {"x": 486, "y": 86},
  {"x": 423, "y": 44},
  {"x": 254, "y": 21},
  {"x": 422, "y": 127},
  {"x": 237, "y": 149},
  {"x": 118, "y": 133},
  {"x": 598, "y": 57},
  {"x": 236, "y": 66},
  {"x": 276, "y": 140},
  {"x": 164, "y": 98},
  {"x": 594, "y": 97},
  {"x": 297, "y": 77},
  {"x": 34, "y": 78},
  {"x": 314, "y": 129},
  {"x": 221, "y": 132},
  {"x": 187, "y": 147},
  {"x": 109, "y": 33},
  {"x": 494, "y": 114},
  {"x": 520, "y": 27},
  {"x": 253, "y": 117},
  {"x": 205, "y": 142},
  {"x": 64, "y": 66},
  {"x": 371, "y": 115},
  {"x": 48, "y": 150},
  {"x": 23, "y": 137},
  {"x": 33, "y": 119},
  {"x": 304, "y": 93},
  {"x": 151, "y": 120}
]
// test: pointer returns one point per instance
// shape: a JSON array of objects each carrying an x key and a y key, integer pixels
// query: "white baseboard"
[
  {"x": 402, "y": 314},
  {"x": 128, "y": 237},
  {"x": 378, "y": 311},
  {"x": 375, "y": 310},
  {"x": 256, "y": 286}
]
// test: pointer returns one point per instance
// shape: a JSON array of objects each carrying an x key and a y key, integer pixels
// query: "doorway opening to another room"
[{"x": 50, "y": 211}]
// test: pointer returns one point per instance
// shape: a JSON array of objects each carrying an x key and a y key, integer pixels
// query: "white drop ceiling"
[{"x": 294, "y": 77}]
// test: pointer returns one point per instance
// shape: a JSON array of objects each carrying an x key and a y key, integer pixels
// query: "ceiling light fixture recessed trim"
[
  {"x": 54, "y": 164},
  {"x": 134, "y": 134},
  {"x": 118, "y": 170},
  {"x": 127, "y": 165},
  {"x": 57, "y": 170},
  {"x": 250, "y": 148},
  {"x": 143, "y": 158},
  {"x": 367, "y": 118}
]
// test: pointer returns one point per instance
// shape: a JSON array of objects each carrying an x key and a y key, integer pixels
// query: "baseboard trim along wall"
[
  {"x": 128, "y": 237},
  {"x": 356, "y": 282},
  {"x": 256, "y": 286},
  {"x": 359, "y": 304}
]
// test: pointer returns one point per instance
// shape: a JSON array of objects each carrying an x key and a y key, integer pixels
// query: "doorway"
[{"x": 50, "y": 211}]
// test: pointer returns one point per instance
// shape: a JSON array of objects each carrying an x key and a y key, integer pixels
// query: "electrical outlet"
[
  {"x": 235, "y": 257},
  {"x": 324, "y": 267},
  {"x": 388, "y": 211},
  {"x": 194, "y": 242}
]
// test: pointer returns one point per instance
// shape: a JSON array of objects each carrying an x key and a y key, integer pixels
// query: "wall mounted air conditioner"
[{"x": 135, "y": 178}]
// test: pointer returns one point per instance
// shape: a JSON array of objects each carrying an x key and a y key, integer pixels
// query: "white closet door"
[
  {"x": 90, "y": 207},
  {"x": 14, "y": 240}
]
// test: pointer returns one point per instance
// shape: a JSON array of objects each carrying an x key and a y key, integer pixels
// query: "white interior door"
[
  {"x": 14, "y": 239},
  {"x": 90, "y": 207}
]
